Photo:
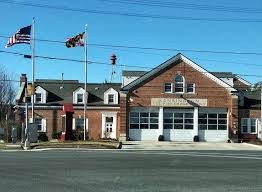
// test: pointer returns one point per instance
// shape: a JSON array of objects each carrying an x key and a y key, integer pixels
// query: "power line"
[
  {"x": 138, "y": 15},
  {"x": 188, "y": 6},
  {"x": 156, "y": 49},
  {"x": 104, "y": 63}
]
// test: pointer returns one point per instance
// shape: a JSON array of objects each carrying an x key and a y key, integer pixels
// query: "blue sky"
[{"x": 53, "y": 24}]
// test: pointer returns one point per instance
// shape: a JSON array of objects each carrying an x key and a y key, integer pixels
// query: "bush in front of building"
[{"x": 42, "y": 137}]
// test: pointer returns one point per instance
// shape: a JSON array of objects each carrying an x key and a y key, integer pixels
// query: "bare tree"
[{"x": 7, "y": 96}]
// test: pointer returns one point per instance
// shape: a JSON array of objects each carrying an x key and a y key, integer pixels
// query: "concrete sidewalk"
[{"x": 154, "y": 145}]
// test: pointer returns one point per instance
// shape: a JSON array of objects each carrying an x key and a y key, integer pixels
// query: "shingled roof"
[{"x": 60, "y": 92}]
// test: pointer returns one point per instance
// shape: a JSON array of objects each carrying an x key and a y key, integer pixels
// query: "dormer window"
[
  {"x": 38, "y": 98},
  {"x": 80, "y": 98},
  {"x": 179, "y": 84},
  {"x": 111, "y": 98},
  {"x": 40, "y": 95},
  {"x": 79, "y": 95}
]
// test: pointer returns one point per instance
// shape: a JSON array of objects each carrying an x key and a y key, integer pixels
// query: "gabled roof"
[
  {"x": 171, "y": 61},
  {"x": 60, "y": 92}
]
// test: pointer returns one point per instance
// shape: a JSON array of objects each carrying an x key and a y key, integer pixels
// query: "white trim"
[
  {"x": 114, "y": 130},
  {"x": 113, "y": 92},
  {"x": 74, "y": 124},
  {"x": 184, "y": 80},
  {"x": 164, "y": 84},
  {"x": 170, "y": 62},
  {"x": 43, "y": 92},
  {"x": 79, "y": 91},
  {"x": 249, "y": 126}
]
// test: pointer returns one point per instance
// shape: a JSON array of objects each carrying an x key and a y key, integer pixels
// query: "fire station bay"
[{"x": 181, "y": 101}]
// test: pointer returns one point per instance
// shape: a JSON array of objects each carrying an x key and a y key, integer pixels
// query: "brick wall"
[
  {"x": 205, "y": 88},
  {"x": 54, "y": 121}
]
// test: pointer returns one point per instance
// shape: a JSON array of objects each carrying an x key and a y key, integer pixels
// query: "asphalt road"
[{"x": 108, "y": 171}]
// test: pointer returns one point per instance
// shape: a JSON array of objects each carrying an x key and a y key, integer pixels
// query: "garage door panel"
[
  {"x": 178, "y": 135},
  {"x": 213, "y": 135},
  {"x": 143, "y": 134}
]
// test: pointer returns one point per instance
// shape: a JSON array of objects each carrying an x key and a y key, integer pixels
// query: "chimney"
[{"x": 23, "y": 78}]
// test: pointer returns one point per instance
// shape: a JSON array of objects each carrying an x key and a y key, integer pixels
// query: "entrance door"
[
  {"x": 109, "y": 127},
  {"x": 109, "y": 122}
]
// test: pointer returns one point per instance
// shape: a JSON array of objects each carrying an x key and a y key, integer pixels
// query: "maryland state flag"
[{"x": 76, "y": 41}]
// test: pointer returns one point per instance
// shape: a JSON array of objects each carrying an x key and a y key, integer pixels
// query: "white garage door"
[
  {"x": 178, "y": 124},
  {"x": 143, "y": 124},
  {"x": 212, "y": 125}
]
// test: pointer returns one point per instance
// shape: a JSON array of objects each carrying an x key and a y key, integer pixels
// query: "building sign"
[{"x": 178, "y": 102}]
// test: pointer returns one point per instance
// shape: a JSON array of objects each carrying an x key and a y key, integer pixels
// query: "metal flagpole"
[
  {"x": 260, "y": 112},
  {"x": 33, "y": 69},
  {"x": 85, "y": 94}
]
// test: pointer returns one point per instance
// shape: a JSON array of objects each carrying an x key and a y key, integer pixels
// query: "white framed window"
[
  {"x": 80, "y": 98},
  {"x": 212, "y": 121},
  {"x": 78, "y": 124},
  {"x": 111, "y": 99},
  {"x": 38, "y": 97},
  {"x": 179, "y": 84},
  {"x": 146, "y": 119},
  {"x": 168, "y": 87},
  {"x": 41, "y": 124},
  {"x": 249, "y": 125},
  {"x": 111, "y": 96},
  {"x": 178, "y": 120},
  {"x": 190, "y": 88}
]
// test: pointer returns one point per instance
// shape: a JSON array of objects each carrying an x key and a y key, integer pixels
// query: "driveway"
[{"x": 154, "y": 145}]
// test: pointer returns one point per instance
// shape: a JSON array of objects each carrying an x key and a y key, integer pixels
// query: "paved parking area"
[{"x": 146, "y": 145}]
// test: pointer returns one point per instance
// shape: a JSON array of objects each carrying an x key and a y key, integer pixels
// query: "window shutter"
[
  {"x": 74, "y": 124},
  {"x": 43, "y": 125}
]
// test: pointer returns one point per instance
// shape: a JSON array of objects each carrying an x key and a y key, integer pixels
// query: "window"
[
  {"x": 79, "y": 124},
  {"x": 40, "y": 124},
  {"x": 143, "y": 120},
  {"x": 110, "y": 99},
  {"x": 38, "y": 97},
  {"x": 167, "y": 87},
  {"x": 80, "y": 98},
  {"x": 248, "y": 125},
  {"x": 179, "y": 84},
  {"x": 212, "y": 121},
  {"x": 190, "y": 88},
  {"x": 178, "y": 120}
]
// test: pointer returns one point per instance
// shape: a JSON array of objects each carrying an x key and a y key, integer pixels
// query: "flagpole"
[
  {"x": 85, "y": 94},
  {"x": 33, "y": 69}
]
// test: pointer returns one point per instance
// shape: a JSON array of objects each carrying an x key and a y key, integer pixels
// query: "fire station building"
[{"x": 181, "y": 101}]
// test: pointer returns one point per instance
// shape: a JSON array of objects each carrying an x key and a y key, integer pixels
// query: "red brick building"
[
  {"x": 180, "y": 101},
  {"x": 52, "y": 98},
  {"x": 176, "y": 101}
]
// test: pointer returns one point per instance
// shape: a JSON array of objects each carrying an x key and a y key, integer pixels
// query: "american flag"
[{"x": 21, "y": 36}]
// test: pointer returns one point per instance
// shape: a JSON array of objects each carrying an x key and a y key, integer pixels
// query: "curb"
[{"x": 253, "y": 145}]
